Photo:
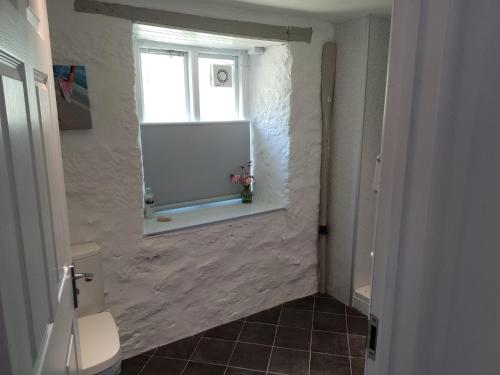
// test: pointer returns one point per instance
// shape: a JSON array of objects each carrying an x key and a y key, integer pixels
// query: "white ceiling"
[{"x": 329, "y": 10}]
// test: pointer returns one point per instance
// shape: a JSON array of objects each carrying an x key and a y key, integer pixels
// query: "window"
[
  {"x": 165, "y": 89},
  {"x": 180, "y": 84},
  {"x": 216, "y": 103}
]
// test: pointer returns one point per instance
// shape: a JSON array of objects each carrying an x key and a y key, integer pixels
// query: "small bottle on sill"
[{"x": 149, "y": 204}]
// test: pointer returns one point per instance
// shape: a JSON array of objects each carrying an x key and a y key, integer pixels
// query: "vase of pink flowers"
[{"x": 246, "y": 180}]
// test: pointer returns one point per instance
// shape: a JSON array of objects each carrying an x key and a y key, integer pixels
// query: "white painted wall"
[
  {"x": 362, "y": 46},
  {"x": 376, "y": 74},
  {"x": 348, "y": 108},
  {"x": 165, "y": 288},
  {"x": 269, "y": 91}
]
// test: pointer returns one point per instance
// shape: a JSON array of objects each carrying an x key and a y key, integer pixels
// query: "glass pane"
[
  {"x": 216, "y": 103},
  {"x": 164, "y": 87}
]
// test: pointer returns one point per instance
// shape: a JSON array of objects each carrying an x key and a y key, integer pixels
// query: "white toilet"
[{"x": 99, "y": 340}]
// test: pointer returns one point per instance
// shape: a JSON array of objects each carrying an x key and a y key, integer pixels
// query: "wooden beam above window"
[{"x": 196, "y": 23}]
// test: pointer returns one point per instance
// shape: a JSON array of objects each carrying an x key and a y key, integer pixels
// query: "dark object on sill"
[{"x": 163, "y": 219}]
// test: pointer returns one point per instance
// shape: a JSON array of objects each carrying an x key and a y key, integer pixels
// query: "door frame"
[{"x": 416, "y": 56}]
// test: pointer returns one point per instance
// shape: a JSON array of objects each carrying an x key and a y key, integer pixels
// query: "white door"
[{"x": 37, "y": 318}]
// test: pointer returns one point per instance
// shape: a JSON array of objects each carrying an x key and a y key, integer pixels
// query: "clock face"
[{"x": 222, "y": 75}]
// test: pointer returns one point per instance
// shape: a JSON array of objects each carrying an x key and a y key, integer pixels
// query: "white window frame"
[
  {"x": 193, "y": 92},
  {"x": 163, "y": 51}
]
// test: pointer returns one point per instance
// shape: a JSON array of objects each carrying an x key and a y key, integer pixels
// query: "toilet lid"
[{"x": 99, "y": 342}]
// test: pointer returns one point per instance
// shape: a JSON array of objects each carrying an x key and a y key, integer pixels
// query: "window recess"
[{"x": 193, "y": 132}]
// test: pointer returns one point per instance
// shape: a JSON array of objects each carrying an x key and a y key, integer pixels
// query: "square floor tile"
[
  {"x": 133, "y": 365},
  {"x": 330, "y": 342},
  {"x": 161, "y": 366},
  {"x": 194, "y": 368},
  {"x": 251, "y": 356},
  {"x": 296, "y": 318},
  {"x": 329, "y": 322},
  {"x": 289, "y": 361},
  {"x": 213, "y": 351},
  {"x": 270, "y": 316},
  {"x": 241, "y": 371},
  {"x": 358, "y": 366},
  {"x": 357, "y": 326},
  {"x": 293, "y": 338},
  {"x": 228, "y": 331},
  {"x": 305, "y": 303},
  {"x": 258, "y": 333},
  {"x": 357, "y": 344},
  {"x": 180, "y": 349},
  {"x": 329, "y": 305},
  {"x": 326, "y": 364}
]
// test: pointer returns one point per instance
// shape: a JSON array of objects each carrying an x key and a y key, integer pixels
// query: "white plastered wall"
[
  {"x": 362, "y": 46},
  {"x": 269, "y": 105},
  {"x": 376, "y": 73},
  {"x": 169, "y": 287}
]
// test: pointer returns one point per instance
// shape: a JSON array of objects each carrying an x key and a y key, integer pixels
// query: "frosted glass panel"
[
  {"x": 216, "y": 103},
  {"x": 164, "y": 87}
]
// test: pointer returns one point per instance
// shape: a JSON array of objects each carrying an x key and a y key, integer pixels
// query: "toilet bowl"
[{"x": 98, "y": 333}]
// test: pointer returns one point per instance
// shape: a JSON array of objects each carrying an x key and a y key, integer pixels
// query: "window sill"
[{"x": 195, "y": 216}]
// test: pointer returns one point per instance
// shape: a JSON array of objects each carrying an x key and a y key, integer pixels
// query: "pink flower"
[
  {"x": 235, "y": 178},
  {"x": 248, "y": 180}
]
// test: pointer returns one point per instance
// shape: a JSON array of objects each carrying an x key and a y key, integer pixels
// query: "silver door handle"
[
  {"x": 75, "y": 276},
  {"x": 87, "y": 276}
]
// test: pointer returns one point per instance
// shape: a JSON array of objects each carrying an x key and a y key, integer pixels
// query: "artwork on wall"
[{"x": 73, "y": 105}]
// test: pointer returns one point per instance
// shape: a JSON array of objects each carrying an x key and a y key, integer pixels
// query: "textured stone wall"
[
  {"x": 168, "y": 287},
  {"x": 269, "y": 88}
]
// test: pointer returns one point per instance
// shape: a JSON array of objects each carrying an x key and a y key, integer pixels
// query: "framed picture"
[{"x": 73, "y": 105}]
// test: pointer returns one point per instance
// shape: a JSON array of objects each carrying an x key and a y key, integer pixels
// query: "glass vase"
[{"x": 246, "y": 195}]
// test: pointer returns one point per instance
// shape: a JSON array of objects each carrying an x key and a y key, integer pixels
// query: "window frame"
[
  {"x": 192, "y": 76},
  {"x": 164, "y": 51}
]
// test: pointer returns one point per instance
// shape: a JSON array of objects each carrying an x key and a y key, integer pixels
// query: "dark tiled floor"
[{"x": 315, "y": 335}]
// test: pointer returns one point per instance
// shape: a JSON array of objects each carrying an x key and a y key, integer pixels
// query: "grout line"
[
  {"x": 252, "y": 343},
  {"x": 249, "y": 369},
  {"x": 191, "y": 356},
  {"x": 274, "y": 340},
  {"x": 326, "y": 312},
  {"x": 348, "y": 344},
  {"x": 147, "y": 362},
  {"x": 304, "y": 329},
  {"x": 311, "y": 339},
  {"x": 265, "y": 324},
  {"x": 235, "y": 344}
]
